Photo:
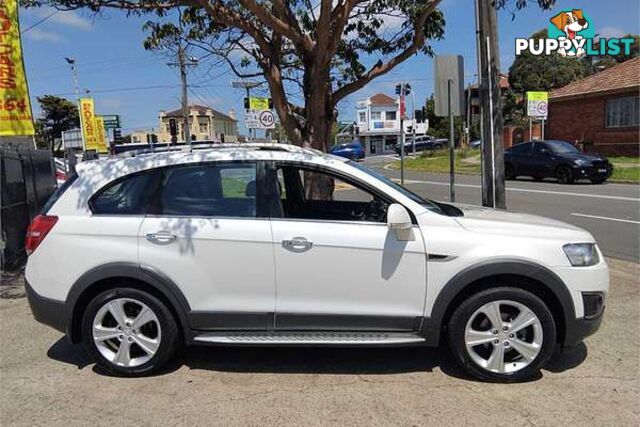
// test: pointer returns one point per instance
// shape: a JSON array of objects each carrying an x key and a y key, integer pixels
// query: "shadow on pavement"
[{"x": 309, "y": 360}]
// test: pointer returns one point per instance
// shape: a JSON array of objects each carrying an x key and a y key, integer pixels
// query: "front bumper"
[
  {"x": 579, "y": 329},
  {"x": 47, "y": 311},
  {"x": 593, "y": 172}
]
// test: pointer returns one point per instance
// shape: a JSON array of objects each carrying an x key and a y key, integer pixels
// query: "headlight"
[
  {"x": 581, "y": 162},
  {"x": 581, "y": 254}
]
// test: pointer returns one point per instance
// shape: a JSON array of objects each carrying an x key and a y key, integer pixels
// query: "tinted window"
[
  {"x": 521, "y": 149},
  {"x": 130, "y": 195},
  {"x": 227, "y": 190}
]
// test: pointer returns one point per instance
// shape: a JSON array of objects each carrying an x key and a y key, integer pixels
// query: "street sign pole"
[{"x": 452, "y": 153}]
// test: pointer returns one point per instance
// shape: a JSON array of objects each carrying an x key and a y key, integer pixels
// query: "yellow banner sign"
[
  {"x": 103, "y": 145},
  {"x": 88, "y": 123},
  {"x": 15, "y": 109},
  {"x": 537, "y": 96},
  {"x": 256, "y": 103}
]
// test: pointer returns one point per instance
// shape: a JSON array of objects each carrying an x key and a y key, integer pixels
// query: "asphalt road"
[
  {"x": 611, "y": 212},
  {"x": 44, "y": 380}
]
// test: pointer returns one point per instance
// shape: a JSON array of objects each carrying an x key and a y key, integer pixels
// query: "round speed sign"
[{"x": 267, "y": 119}]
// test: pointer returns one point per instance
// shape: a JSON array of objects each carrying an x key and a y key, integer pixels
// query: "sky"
[{"x": 125, "y": 79}]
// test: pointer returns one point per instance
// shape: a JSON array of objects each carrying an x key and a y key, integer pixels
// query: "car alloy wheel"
[
  {"x": 564, "y": 175},
  {"x": 126, "y": 332},
  {"x": 503, "y": 336}
]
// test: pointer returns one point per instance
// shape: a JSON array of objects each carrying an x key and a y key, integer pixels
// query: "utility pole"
[
  {"x": 493, "y": 188},
  {"x": 247, "y": 86},
  {"x": 182, "y": 64},
  {"x": 71, "y": 158}
]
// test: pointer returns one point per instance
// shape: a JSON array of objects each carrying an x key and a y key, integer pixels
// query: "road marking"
[
  {"x": 605, "y": 218},
  {"x": 528, "y": 190}
]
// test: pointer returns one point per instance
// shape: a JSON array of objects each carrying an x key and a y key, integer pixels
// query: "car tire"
[
  {"x": 509, "y": 172},
  {"x": 437, "y": 147},
  {"x": 121, "y": 346},
  {"x": 564, "y": 174},
  {"x": 500, "y": 345}
]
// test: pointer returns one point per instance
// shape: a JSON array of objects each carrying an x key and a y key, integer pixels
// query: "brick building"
[{"x": 601, "y": 112}]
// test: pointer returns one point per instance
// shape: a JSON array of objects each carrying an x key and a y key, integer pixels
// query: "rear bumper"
[{"x": 47, "y": 311}]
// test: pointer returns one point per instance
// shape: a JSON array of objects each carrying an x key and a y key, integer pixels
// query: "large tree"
[
  {"x": 312, "y": 54},
  {"x": 58, "y": 115}
]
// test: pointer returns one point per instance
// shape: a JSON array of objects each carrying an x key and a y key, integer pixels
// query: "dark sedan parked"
[
  {"x": 423, "y": 143},
  {"x": 556, "y": 159}
]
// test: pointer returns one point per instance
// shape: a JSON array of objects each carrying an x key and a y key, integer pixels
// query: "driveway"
[{"x": 46, "y": 380}]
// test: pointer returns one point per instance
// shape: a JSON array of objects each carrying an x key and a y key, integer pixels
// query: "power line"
[{"x": 39, "y": 22}]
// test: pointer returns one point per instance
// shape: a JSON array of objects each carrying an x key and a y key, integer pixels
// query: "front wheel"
[
  {"x": 509, "y": 172},
  {"x": 502, "y": 335},
  {"x": 565, "y": 175},
  {"x": 129, "y": 332}
]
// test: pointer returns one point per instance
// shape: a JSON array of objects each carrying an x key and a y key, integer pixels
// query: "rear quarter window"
[
  {"x": 59, "y": 192},
  {"x": 130, "y": 195}
]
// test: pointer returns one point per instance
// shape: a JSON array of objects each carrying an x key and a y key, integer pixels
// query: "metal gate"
[{"x": 27, "y": 181}]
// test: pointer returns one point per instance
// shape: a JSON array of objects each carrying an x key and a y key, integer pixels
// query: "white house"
[{"x": 378, "y": 124}]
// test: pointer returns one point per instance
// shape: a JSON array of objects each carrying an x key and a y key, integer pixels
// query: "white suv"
[{"x": 137, "y": 256}]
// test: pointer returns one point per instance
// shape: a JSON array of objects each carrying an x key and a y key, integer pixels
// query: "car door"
[
  {"x": 337, "y": 264},
  {"x": 521, "y": 157},
  {"x": 542, "y": 161},
  {"x": 207, "y": 233}
]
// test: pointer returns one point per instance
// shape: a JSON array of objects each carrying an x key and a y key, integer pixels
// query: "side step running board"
[{"x": 308, "y": 338}]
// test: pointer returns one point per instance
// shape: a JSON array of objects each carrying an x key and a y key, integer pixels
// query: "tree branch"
[{"x": 382, "y": 68}]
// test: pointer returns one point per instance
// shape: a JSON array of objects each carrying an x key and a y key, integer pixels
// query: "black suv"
[{"x": 558, "y": 159}]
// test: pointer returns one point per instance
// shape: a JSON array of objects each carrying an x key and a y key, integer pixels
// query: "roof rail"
[{"x": 230, "y": 145}]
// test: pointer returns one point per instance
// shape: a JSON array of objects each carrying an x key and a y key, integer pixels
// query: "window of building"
[
  {"x": 390, "y": 142},
  {"x": 349, "y": 202},
  {"x": 362, "y": 116},
  {"x": 390, "y": 115},
  {"x": 127, "y": 196},
  {"x": 227, "y": 190},
  {"x": 203, "y": 128},
  {"x": 376, "y": 115},
  {"x": 623, "y": 112}
]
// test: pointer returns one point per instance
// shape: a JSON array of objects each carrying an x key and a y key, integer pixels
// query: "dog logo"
[
  {"x": 571, "y": 34},
  {"x": 570, "y": 23}
]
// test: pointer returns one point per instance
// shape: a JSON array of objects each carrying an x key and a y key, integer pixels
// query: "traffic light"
[
  {"x": 270, "y": 104},
  {"x": 173, "y": 127},
  {"x": 418, "y": 115},
  {"x": 148, "y": 138},
  {"x": 398, "y": 89},
  {"x": 407, "y": 89},
  {"x": 246, "y": 103}
]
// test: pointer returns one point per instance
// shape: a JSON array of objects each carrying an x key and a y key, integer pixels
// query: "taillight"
[
  {"x": 61, "y": 175},
  {"x": 38, "y": 230}
]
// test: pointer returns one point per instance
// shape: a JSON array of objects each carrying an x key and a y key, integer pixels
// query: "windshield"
[
  {"x": 432, "y": 206},
  {"x": 561, "y": 147}
]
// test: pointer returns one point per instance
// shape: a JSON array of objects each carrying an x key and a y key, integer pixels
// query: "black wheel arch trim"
[
  {"x": 431, "y": 327},
  {"x": 139, "y": 272}
]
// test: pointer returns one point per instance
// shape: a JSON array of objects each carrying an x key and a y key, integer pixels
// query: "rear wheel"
[
  {"x": 502, "y": 334},
  {"x": 565, "y": 175},
  {"x": 129, "y": 332}
]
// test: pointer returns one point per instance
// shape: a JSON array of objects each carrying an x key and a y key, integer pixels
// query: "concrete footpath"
[{"x": 44, "y": 380}]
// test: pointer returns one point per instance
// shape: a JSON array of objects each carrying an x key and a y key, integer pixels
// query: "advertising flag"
[
  {"x": 88, "y": 123},
  {"x": 103, "y": 146},
  {"x": 16, "y": 117}
]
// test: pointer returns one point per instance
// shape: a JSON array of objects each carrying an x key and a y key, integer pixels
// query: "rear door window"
[{"x": 211, "y": 190}]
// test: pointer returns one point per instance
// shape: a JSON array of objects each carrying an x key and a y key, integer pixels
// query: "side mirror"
[{"x": 398, "y": 218}]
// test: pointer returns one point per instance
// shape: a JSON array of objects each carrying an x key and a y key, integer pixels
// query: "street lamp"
[{"x": 74, "y": 72}]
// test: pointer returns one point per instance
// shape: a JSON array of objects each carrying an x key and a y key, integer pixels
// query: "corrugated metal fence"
[{"x": 27, "y": 181}]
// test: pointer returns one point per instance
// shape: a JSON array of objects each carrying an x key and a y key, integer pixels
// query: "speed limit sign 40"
[{"x": 267, "y": 119}]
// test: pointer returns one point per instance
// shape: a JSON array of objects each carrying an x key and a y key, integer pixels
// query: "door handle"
[
  {"x": 161, "y": 237},
  {"x": 297, "y": 244}
]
